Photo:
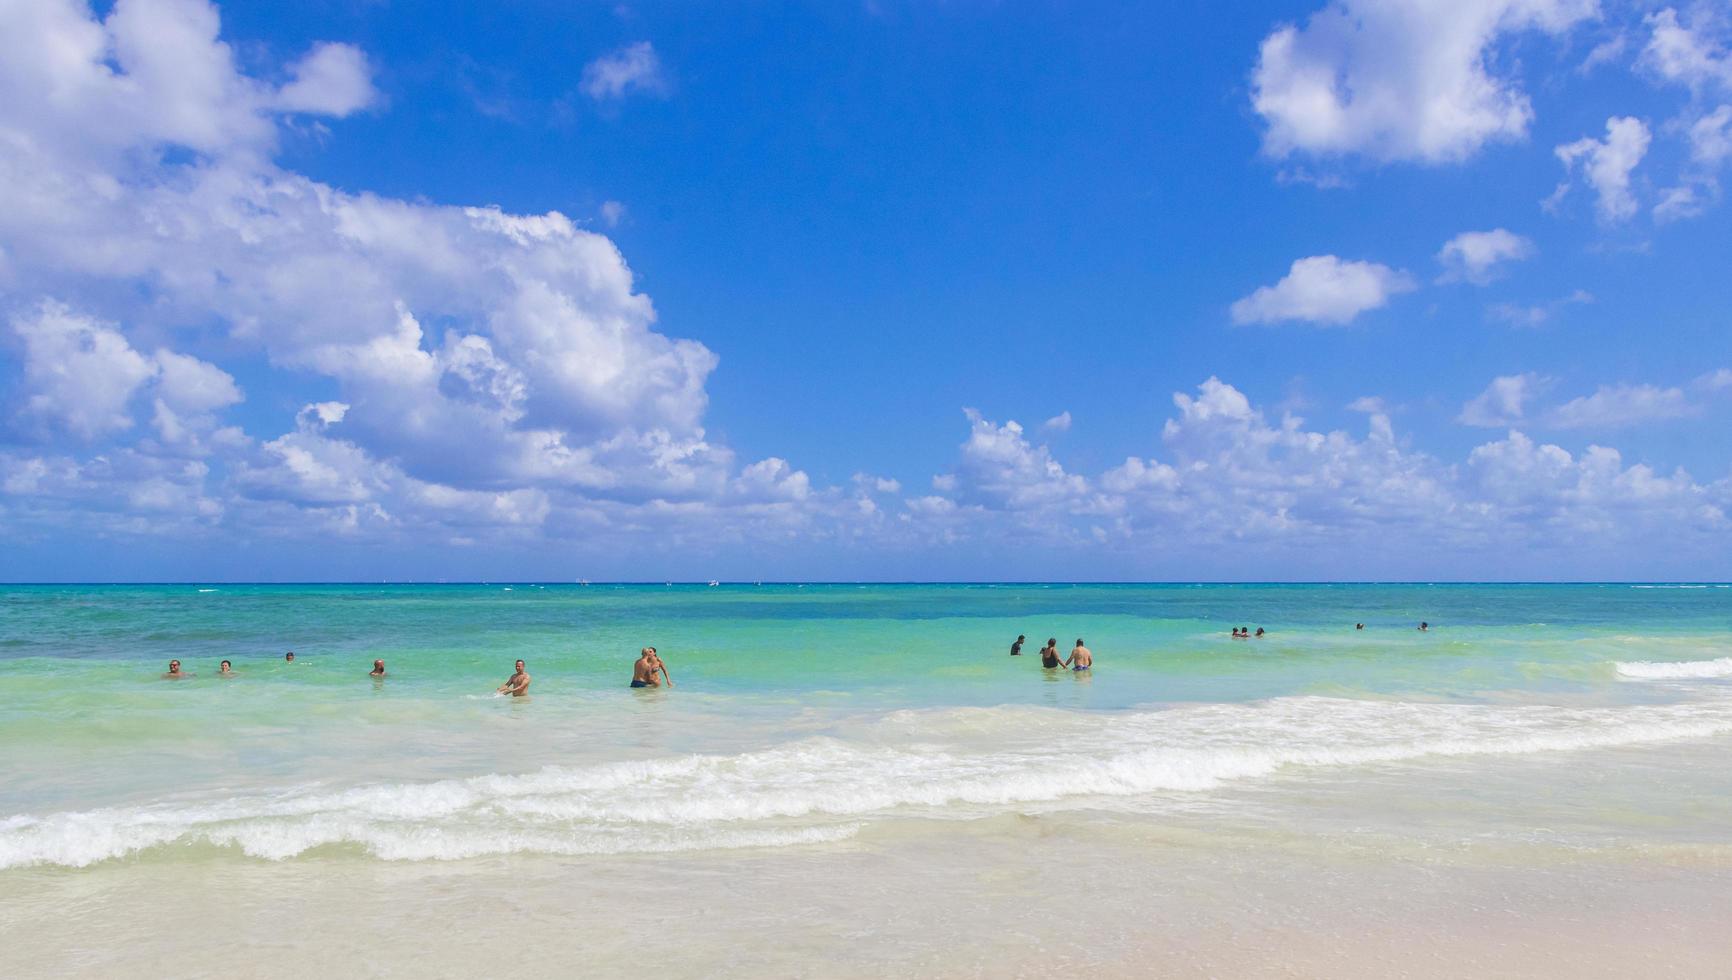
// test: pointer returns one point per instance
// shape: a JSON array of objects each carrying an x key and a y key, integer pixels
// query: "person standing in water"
[
  {"x": 1016, "y": 648},
  {"x": 1080, "y": 658},
  {"x": 378, "y": 669},
  {"x": 1049, "y": 654},
  {"x": 226, "y": 669},
  {"x": 517, "y": 685},
  {"x": 645, "y": 672},
  {"x": 174, "y": 673}
]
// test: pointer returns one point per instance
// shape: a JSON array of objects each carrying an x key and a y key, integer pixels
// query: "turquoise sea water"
[{"x": 801, "y": 714}]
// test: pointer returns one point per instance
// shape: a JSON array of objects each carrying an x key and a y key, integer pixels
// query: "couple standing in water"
[
  {"x": 1080, "y": 658},
  {"x": 649, "y": 671}
]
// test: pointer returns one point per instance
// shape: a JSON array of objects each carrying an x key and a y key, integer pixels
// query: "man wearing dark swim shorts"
[
  {"x": 1080, "y": 658},
  {"x": 643, "y": 673}
]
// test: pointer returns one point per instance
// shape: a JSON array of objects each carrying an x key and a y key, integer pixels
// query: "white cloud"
[
  {"x": 1323, "y": 289},
  {"x": 1606, "y": 165},
  {"x": 1677, "y": 53},
  {"x": 633, "y": 68},
  {"x": 1519, "y": 315},
  {"x": 1711, "y": 138},
  {"x": 79, "y": 373},
  {"x": 1058, "y": 423},
  {"x": 332, "y": 80},
  {"x": 1476, "y": 256},
  {"x": 1504, "y": 401},
  {"x": 612, "y": 213},
  {"x": 1687, "y": 200},
  {"x": 1621, "y": 405},
  {"x": 1399, "y": 79}
]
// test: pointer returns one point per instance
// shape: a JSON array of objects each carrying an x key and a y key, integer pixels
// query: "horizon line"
[{"x": 777, "y": 582}]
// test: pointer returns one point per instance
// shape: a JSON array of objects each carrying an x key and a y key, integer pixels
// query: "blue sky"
[{"x": 883, "y": 291}]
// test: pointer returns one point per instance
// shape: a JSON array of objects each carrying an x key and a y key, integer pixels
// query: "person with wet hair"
[{"x": 1049, "y": 655}]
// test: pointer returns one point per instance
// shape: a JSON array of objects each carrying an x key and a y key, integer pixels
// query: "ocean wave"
[
  {"x": 955, "y": 763},
  {"x": 1652, "y": 670}
]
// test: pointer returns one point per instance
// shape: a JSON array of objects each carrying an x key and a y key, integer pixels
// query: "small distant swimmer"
[
  {"x": 517, "y": 685},
  {"x": 1080, "y": 658},
  {"x": 174, "y": 673},
  {"x": 1259, "y": 631},
  {"x": 226, "y": 669},
  {"x": 1016, "y": 648},
  {"x": 1425, "y": 627},
  {"x": 1240, "y": 632},
  {"x": 378, "y": 669},
  {"x": 1358, "y": 626},
  {"x": 1049, "y": 655},
  {"x": 289, "y": 657}
]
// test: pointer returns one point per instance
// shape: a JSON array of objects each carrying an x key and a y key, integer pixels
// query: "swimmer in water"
[
  {"x": 1425, "y": 627},
  {"x": 1259, "y": 632},
  {"x": 226, "y": 669},
  {"x": 378, "y": 669},
  {"x": 517, "y": 685},
  {"x": 1080, "y": 658},
  {"x": 1016, "y": 648},
  {"x": 289, "y": 657},
  {"x": 662, "y": 666},
  {"x": 1049, "y": 654},
  {"x": 643, "y": 673},
  {"x": 1358, "y": 626},
  {"x": 174, "y": 673}
]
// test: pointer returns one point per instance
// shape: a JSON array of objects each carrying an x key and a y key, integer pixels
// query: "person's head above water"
[
  {"x": 174, "y": 666},
  {"x": 290, "y": 656},
  {"x": 226, "y": 666},
  {"x": 378, "y": 666},
  {"x": 1079, "y": 641}
]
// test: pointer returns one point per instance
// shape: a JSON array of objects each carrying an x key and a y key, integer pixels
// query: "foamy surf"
[
  {"x": 1650, "y": 670},
  {"x": 944, "y": 763}
]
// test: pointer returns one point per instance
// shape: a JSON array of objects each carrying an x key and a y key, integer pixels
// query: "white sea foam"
[
  {"x": 1651, "y": 670},
  {"x": 960, "y": 763}
]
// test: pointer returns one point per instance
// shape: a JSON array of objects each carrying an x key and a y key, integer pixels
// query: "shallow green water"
[{"x": 800, "y": 711}]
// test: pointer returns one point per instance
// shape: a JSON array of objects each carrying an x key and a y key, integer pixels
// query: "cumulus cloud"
[
  {"x": 1399, "y": 79},
  {"x": 633, "y": 68},
  {"x": 1504, "y": 402},
  {"x": 1684, "y": 54},
  {"x": 544, "y": 376},
  {"x": 1233, "y": 474},
  {"x": 1323, "y": 289},
  {"x": 1620, "y": 405},
  {"x": 79, "y": 373},
  {"x": 331, "y": 80},
  {"x": 1509, "y": 401},
  {"x": 1606, "y": 166},
  {"x": 1478, "y": 256}
]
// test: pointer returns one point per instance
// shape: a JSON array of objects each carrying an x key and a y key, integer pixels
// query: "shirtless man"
[
  {"x": 379, "y": 668},
  {"x": 517, "y": 685},
  {"x": 1080, "y": 658},
  {"x": 644, "y": 673},
  {"x": 1016, "y": 648},
  {"x": 174, "y": 673}
]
